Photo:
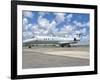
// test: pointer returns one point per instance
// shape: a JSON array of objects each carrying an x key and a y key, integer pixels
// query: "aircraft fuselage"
[{"x": 62, "y": 41}]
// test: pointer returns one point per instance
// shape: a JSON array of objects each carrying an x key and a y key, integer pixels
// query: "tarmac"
[{"x": 43, "y": 57}]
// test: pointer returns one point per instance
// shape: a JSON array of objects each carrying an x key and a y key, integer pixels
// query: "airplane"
[{"x": 61, "y": 41}]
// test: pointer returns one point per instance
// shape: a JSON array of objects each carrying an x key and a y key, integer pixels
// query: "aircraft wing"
[{"x": 64, "y": 42}]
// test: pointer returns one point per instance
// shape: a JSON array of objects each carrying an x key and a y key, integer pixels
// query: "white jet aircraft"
[{"x": 61, "y": 41}]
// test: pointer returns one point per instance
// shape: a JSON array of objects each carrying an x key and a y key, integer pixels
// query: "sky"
[{"x": 55, "y": 24}]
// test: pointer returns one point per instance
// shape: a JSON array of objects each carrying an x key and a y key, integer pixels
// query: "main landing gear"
[
  {"x": 29, "y": 46},
  {"x": 65, "y": 45}
]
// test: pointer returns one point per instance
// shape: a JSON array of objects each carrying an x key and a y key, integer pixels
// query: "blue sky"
[{"x": 54, "y": 23}]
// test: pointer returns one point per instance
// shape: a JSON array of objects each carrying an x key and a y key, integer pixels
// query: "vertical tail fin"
[{"x": 77, "y": 37}]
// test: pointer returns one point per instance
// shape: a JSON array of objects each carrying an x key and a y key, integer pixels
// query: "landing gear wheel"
[
  {"x": 69, "y": 45},
  {"x": 62, "y": 45},
  {"x": 29, "y": 46}
]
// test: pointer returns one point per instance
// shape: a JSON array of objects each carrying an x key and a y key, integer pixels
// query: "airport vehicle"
[{"x": 61, "y": 41}]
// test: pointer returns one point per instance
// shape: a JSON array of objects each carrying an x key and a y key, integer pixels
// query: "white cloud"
[
  {"x": 53, "y": 23},
  {"x": 87, "y": 24},
  {"x": 25, "y": 21},
  {"x": 28, "y": 14},
  {"x": 45, "y": 27},
  {"x": 27, "y": 27},
  {"x": 43, "y": 23},
  {"x": 69, "y": 17},
  {"x": 34, "y": 27},
  {"x": 41, "y": 27},
  {"x": 27, "y": 35},
  {"x": 80, "y": 24},
  {"x": 60, "y": 17},
  {"x": 45, "y": 32},
  {"x": 67, "y": 29},
  {"x": 42, "y": 13},
  {"x": 77, "y": 32},
  {"x": 83, "y": 31},
  {"x": 86, "y": 38}
]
